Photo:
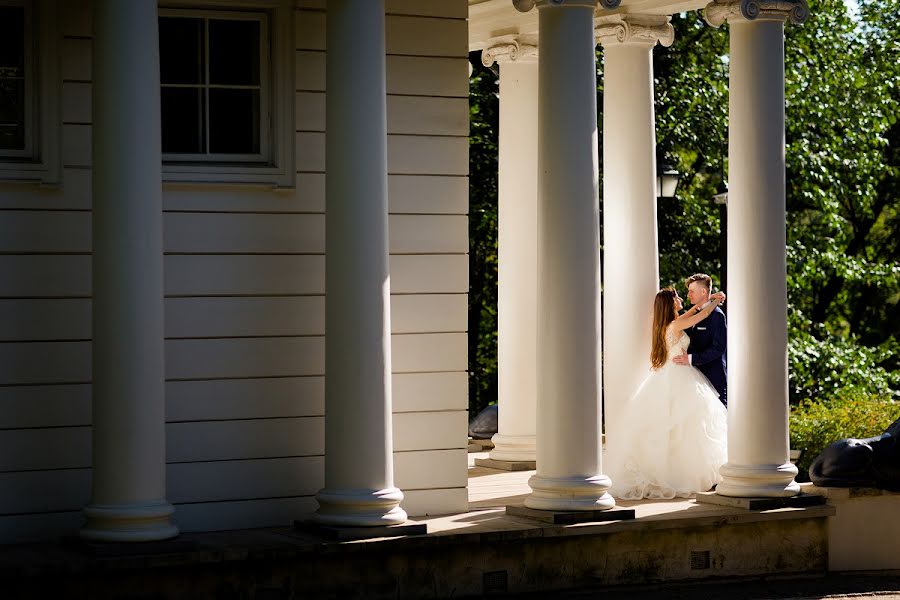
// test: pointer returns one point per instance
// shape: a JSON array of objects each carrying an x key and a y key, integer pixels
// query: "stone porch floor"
[{"x": 462, "y": 555}]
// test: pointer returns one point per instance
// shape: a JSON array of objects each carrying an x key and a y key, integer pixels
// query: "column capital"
[
  {"x": 640, "y": 30},
  {"x": 510, "y": 48},
  {"x": 526, "y": 5},
  {"x": 718, "y": 12}
]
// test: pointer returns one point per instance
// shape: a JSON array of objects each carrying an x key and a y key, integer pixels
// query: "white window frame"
[
  {"x": 40, "y": 160},
  {"x": 274, "y": 165}
]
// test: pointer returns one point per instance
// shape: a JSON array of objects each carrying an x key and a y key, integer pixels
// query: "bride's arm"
[{"x": 684, "y": 321}]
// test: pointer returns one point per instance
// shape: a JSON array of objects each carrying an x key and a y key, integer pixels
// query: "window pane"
[
  {"x": 12, "y": 41},
  {"x": 233, "y": 121},
  {"x": 181, "y": 50},
  {"x": 182, "y": 121},
  {"x": 233, "y": 52},
  {"x": 12, "y": 114}
]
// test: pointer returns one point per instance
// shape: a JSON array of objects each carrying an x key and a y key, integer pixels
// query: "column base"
[
  {"x": 569, "y": 493},
  {"x": 514, "y": 448},
  {"x": 148, "y": 522},
  {"x": 360, "y": 507},
  {"x": 758, "y": 481}
]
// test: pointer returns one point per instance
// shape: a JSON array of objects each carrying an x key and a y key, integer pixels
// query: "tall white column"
[
  {"x": 758, "y": 462},
  {"x": 630, "y": 248},
  {"x": 129, "y": 440},
  {"x": 517, "y": 286},
  {"x": 569, "y": 471},
  {"x": 359, "y": 475}
]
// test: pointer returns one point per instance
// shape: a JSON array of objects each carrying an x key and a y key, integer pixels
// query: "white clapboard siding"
[
  {"x": 69, "y": 405},
  {"x": 440, "y": 501},
  {"x": 45, "y": 231},
  {"x": 260, "y": 398},
  {"x": 415, "y": 36},
  {"x": 417, "y": 115},
  {"x": 69, "y": 489},
  {"x": 428, "y": 352},
  {"x": 244, "y": 357},
  {"x": 45, "y": 406},
  {"x": 246, "y": 514},
  {"x": 32, "y": 449},
  {"x": 244, "y": 280},
  {"x": 430, "y": 312},
  {"x": 39, "y": 527},
  {"x": 44, "y": 491},
  {"x": 69, "y": 319},
  {"x": 430, "y": 430},
  {"x": 433, "y": 234},
  {"x": 245, "y": 316},
  {"x": 73, "y": 194},
  {"x": 407, "y": 154},
  {"x": 244, "y": 233},
  {"x": 244, "y": 479},
  {"x": 75, "y": 18},
  {"x": 430, "y": 469},
  {"x": 254, "y": 438},
  {"x": 76, "y": 102},
  {"x": 75, "y": 59},
  {"x": 45, "y": 319},
  {"x": 200, "y": 275},
  {"x": 419, "y": 392},
  {"x": 408, "y": 194},
  {"x": 76, "y": 145},
  {"x": 457, "y": 9},
  {"x": 45, "y": 362},
  {"x": 29, "y": 276},
  {"x": 44, "y": 276},
  {"x": 408, "y": 75},
  {"x": 433, "y": 274}
]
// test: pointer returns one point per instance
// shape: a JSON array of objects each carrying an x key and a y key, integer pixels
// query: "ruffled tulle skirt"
[{"x": 669, "y": 440}]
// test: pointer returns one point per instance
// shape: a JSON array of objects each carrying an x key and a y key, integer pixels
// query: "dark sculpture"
[
  {"x": 871, "y": 462},
  {"x": 484, "y": 425}
]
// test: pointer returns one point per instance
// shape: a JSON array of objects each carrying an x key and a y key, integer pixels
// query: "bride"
[{"x": 670, "y": 438}]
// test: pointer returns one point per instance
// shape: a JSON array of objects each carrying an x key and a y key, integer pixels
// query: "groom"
[{"x": 707, "y": 348}]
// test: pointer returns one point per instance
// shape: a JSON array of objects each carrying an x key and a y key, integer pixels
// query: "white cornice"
[{"x": 795, "y": 11}]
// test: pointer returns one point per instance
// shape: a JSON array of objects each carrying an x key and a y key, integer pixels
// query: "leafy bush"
[
  {"x": 824, "y": 366},
  {"x": 854, "y": 413}
]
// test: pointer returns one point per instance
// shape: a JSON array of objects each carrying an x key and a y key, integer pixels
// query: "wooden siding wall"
[{"x": 244, "y": 285}]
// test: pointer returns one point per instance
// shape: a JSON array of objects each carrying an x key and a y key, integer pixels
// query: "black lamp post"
[
  {"x": 667, "y": 179},
  {"x": 720, "y": 198}
]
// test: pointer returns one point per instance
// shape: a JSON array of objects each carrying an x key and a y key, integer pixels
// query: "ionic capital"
[
  {"x": 718, "y": 12},
  {"x": 639, "y": 30},
  {"x": 526, "y": 5},
  {"x": 510, "y": 48}
]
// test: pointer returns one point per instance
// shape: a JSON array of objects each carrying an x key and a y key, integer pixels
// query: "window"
[
  {"x": 16, "y": 80},
  {"x": 29, "y": 114},
  {"x": 226, "y": 89}
]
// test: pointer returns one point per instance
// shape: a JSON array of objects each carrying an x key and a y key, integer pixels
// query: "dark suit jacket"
[{"x": 707, "y": 350}]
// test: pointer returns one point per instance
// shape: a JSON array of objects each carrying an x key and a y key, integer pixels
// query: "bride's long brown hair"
[{"x": 663, "y": 313}]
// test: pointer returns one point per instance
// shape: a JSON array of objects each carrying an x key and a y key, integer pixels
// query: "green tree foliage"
[{"x": 842, "y": 94}]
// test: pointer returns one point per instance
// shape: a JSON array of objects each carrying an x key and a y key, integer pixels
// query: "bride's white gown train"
[{"x": 670, "y": 438}]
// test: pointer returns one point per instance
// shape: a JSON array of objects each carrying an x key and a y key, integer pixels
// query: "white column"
[
  {"x": 517, "y": 253},
  {"x": 129, "y": 440},
  {"x": 569, "y": 472},
  {"x": 630, "y": 248},
  {"x": 758, "y": 462},
  {"x": 359, "y": 476}
]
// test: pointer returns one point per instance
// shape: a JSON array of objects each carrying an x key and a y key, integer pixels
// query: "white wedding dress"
[{"x": 670, "y": 438}]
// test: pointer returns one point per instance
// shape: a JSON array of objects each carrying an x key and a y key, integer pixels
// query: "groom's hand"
[{"x": 682, "y": 359}]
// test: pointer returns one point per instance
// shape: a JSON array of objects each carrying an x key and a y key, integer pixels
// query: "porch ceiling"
[{"x": 493, "y": 18}]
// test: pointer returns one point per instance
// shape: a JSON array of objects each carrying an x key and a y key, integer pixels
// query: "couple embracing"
[{"x": 670, "y": 438}]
